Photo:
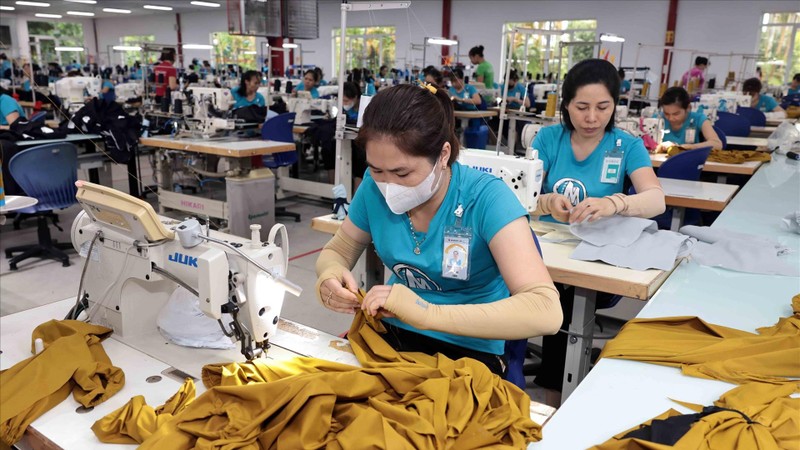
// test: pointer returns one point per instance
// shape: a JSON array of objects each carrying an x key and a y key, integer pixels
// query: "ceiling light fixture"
[
  {"x": 6, "y": 8},
  {"x": 442, "y": 41},
  {"x": 290, "y": 45},
  {"x": 157, "y": 7},
  {"x": 197, "y": 47},
  {"x": 250, "y": 52},
  {"x": 80, "y": 13},
  {"x": 85, "y": 2},
  {"x": 69, "y": 49},
  {"x": 126, "y": 48},
  {"x": 208, "y": 4},
  {"x": 39, "y": 4},
  {"x": 48, "y": 16},
  {"x": 117, "y": 11}
]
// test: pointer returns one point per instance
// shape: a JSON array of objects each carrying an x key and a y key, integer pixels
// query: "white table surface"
[
  {"x": 745, "y": 168},
  {"x": 699, "y": 190},
  {"x": 225, "y": 146},
  {"x": 619, "y": 394},
  {"x": 75, "y": 137},
  {"x": 754, "y": 141},
  {"x": 15, "y": 202}
]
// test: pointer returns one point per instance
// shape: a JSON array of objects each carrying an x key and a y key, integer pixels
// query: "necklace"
[{"x": 414, "y": 237}]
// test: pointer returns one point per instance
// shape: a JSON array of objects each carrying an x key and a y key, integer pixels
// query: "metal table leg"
[
  {"x": 579, "y": 342},
  {"x": 677, "y": 218}
]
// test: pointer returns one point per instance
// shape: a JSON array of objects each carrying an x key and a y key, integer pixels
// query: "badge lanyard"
[
  {"x": 455, "y": 255},
  {"x": 612, "y": 164}
]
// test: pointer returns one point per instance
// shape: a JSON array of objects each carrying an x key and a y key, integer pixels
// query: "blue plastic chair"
[
  {"x": 683, "y": 166},
  {"x": 38, "y": 117},
  {"x": 279, "y": 129},
  {"x": 756, "y": 117},
  {"x": 733, "y": 124},
  {"x": 47, "y": 173}
]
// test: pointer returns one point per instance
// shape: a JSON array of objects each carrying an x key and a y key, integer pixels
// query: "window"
[
  {"x": 234, "y": 49},
  {"x": 370, "y": 47},
  {"x": 779, "y": 47},
  {"x": 129, "y": 57},
  {"x": 44, "y": 37},
  {"x": 543, "y": 54}
]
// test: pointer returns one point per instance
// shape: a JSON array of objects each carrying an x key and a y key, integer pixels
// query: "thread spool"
[
  {"x": 645, "y": 88},
  {"x": 550, "y": 109},
  {"x": 662, "y": 89}
]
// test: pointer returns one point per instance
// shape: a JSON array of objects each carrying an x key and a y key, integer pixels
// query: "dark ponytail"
[
  {"x": 476, "y": 51},
  {"x": 417, "y": 119},
  {"x": 246, "y": 77}
]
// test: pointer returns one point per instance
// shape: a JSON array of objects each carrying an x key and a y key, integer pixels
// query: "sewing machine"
[
  {"x": 208, "y": 104},
  {"x": 127, "y": 91},
  {"x": 540, "y": 91},
  {"x": 73, "y": 90},
  {"x": 523, "y": 175},
  {"x": 136, "y": 260},
  {"x": 302, "y": 107},
  {"x": 721, "y": 101}
]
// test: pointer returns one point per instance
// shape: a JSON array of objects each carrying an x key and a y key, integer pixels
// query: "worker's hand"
[
  {"x": 592, "y": 209},
  {"x": 340, "y": 296},
  {"x": 375, "y": 300},
  {"x": 560, "y": 207},
  {"x": 664, "y": 146}
]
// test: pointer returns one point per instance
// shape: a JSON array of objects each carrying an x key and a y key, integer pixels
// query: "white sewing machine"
[
  {"x": 220, "y": 98},
  {"x": 540, "y": 91},
  {"x": 136, "y": 259},
  {"x": 523, "y": 175},
  {"x": 721, "y": 101},
  {"x": 127, "y": 91},
  {"x": 73, "y": 90},
  {"x": 302, "y": 107}
]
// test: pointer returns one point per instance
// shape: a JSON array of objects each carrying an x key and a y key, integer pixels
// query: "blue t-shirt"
[
  {"x": 26, "y": 85},
  {"x": 766, "y": 103},
  {"x": 241, "y": 101},
  {"x": 111, "y": 96},
  {"x": 517, "y": 91},
  {"x": 468, "y": 91},
  {"x": 369, "y": 88},
  {"x": 7, "y": 106},
  {"x": 624, "y": 87},
  {"x": 489, "y": 205},
  {"x": 578, "y": 180},
  {"x": 314, "y": 91},
  {"x": 4, "y": 67},
  {"x": 793, "y": 91},
  {"x": 694, "y": 119}
]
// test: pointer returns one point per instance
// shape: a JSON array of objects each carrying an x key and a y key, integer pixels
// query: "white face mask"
[
  {"x": 402, "y": 199},
  {"x": 347, "y": 106}
]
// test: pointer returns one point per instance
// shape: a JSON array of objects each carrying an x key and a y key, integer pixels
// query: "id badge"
[
  {"x": 612, "y": 164},
  {"x": 690, "y": 136},
  {"x": 455, "y": 255}
]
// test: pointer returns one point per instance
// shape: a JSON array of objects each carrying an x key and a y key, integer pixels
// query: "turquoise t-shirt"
[
  {"x": 793, "y": 91},
  {"x": 111, "y": 96},
  {"x": 517, "y": 91},
  {"x": 241, "y": 101},
  {"x": 578, "y": 180},
  {"x": 314, "y": 91},
  {"x": 766, "y": 103},
  {"x": 489, "y": 205},
  {"x": 369, "y": 88},
  {"x": 26, "y": 85},
  {"x": 624, "y": 87},
  {"x": 468, "y": 91},
  {"x": 7, "y": 106},
  {"x": 694, "y": 119}
]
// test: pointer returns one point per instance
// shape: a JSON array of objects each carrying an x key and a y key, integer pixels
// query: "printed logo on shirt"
[
  {"x": 571, "y": 188},
  {"x": 415, "y": 278}
]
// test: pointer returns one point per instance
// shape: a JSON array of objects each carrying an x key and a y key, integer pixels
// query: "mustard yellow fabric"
[
  {"x": 395, "y": 401},
  {"x": 712, "y": 351},
  {"x": 727, "y": 156},
  {"x": 73, "y": 360},
  {"x": 775, "y": 418},
  {"x": 136, "y": 421}
]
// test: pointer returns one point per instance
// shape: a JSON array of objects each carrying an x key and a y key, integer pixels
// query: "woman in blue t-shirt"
[
  {"x": 310, "y": 80},
  {"x": 247, "y": 93},
  {"x": 762, "y": 102},
  {"x": 682, "y": 126},
  {"x": 418, "y": 206},
  {"x": 464, "y": 96}
]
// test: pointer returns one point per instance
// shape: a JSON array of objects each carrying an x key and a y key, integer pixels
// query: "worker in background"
[
  {"x": 625, "y": 85},
  {"x": 10, "y": 110},
  {"x": 683, "y": 127},
  {"x": 166, "y": 75},
  {"x": 27, "y": 77},
  {"x": 320, "y": 77},
  {"x": 516, "y": 91},
  {"x": 309, "y": 84},
  {"x": 246, "y": 93},
  {"x": 586, "y": 160},
  {"x": 369, "y": 83},
  {"x": 464, "y": 96},
  {"x": 107, "y": 93},
  {"x": 5, "y": 67},
  {"x": 794, "y": 86},
  {"x": 762, "y": 102},
  {"x": 695, "y": 74},
  {"x": 414, "y": 190},
  {"x": 434, "y": 77},
  {"x": 350, "y": 103},
  {"x": 484, "y": 72}
]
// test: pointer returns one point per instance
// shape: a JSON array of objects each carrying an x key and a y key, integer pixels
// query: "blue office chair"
[
  {"x": 38, "y": 117},
  {"x": 683, "y": 166},
  {"x": 48, "y": 174},
  {"x": 279, "y": 128},
  {"x": 733, "y": 124},
  {"x": 756, "y": 117}
]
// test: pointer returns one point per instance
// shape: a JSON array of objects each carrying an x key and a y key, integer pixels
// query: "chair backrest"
[
  {"x": 732, "y": 124},
  {"x": 47, "y": 173},
  {"x": 38, "y": 117},
  {"x": 279, "y": 129},
  {"x": 685, "y": 165},
  {"x": 721, "y": 135},
  {"x": 756, "y": 117}
]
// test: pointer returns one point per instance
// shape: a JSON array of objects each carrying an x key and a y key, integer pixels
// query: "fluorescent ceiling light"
[
  {"x": 157, "y": 7},
  {"x": 86, "y": 2},
  {"x": 290, "y": 45},
  {"x": 117, "y": 11},
  {"x": 127, "y": 48},
  {"x": 250, "y": 52},
  {"x": 80, "y": 13},
  {"x": 442, "y": 41},
  {"x": 39, "y": 4},
  {"x": 69, "y": 49},
  {"x": 48, "y": 16},
  {"x": 611, "y": 38},
  {"x": 208, "y": 4},
  {"x": 6, "y": 8},
  {"x": 197, "y": 47}
]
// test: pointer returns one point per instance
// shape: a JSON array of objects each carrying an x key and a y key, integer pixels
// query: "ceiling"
[{"x": 135, "y": 6}]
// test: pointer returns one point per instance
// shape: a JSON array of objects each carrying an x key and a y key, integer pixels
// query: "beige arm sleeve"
[
  {"x": 339, "y": 254},
  {"x": 543, "y": 205},
  {"x": 533, "y": 310},
  {"x": 646, "y": 204}
]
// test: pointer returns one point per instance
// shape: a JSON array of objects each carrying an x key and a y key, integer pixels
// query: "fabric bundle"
[{"x": 727, "y": 156}]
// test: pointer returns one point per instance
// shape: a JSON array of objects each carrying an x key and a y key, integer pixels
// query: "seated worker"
[
  {"x": 10, "y": 110},
  {"x": 585, "y": 162},
  {"x": 434, "y": 76},
  {"x": 27, "y": 75},
  {"x": 764, "y": 103},
  {"x": 309, "y": 84},
  {"x": 327, "y": 142},
  {"x": 484, "y": 72},
  {"x": 516, "y": 91},
  {"x": 682, "y": 126},
  {"x": 166, "y": 75},
  {"x": 464, "y": 96},
  {"x": 247, "y": 93},
  {"x": 415, "y": 189},
  {"x": 320, "y": 77},
  {"x": 696, "y": 73},
  {"x": 107, "y": 89},
  {"x": 625, "y": 85},
  {"x": 794, "y": 86}
]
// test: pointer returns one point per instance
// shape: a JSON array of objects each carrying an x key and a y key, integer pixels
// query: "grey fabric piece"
[
  {"x": 652, "y": 250},
  {"x": 792, "y": 222},
  {"x": 706, "y": 234},
  {"x": 616, "y": 230},
  {"x": 742, "y": 256}
]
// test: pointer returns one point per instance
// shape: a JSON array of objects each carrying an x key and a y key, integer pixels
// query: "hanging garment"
[
  {"x": 396, "y": 400},
  {"x": 751, "y": 416},
  {"x": 712, "y": 351},
  {"x": 73, "y": 360}
]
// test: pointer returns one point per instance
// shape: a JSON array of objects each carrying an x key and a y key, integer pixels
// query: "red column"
[
  {"x": 180, "y": 40},
  {"x": 669, "y": 39},
  {"x": 276, "y": 58},
  {"x": 446, "y": 12}
]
